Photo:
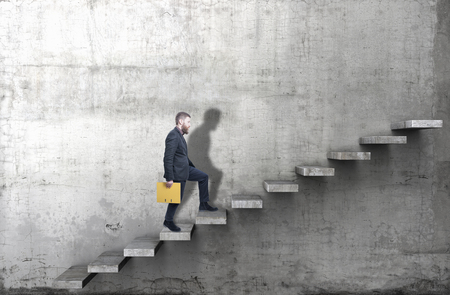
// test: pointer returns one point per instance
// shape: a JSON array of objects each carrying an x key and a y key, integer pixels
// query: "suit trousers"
[{"x": 194, "y": 175}]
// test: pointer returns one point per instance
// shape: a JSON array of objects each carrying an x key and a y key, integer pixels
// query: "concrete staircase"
[
  {"x": 276, "y": 186},
  {"x": 76, "y": 277}
]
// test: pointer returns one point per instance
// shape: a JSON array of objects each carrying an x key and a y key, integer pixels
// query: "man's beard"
[{"x": 184, "y": 129}]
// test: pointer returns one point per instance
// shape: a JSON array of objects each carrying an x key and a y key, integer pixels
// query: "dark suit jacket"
[{"x": 176, "y": 161}]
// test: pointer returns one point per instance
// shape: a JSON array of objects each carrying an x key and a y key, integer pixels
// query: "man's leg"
[
  {"x": 172, "y": 208},
  {"x": 202, "y": 178}
]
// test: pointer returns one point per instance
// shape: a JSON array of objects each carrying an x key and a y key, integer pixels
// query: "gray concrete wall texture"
[{"x": 89, "y": 90}]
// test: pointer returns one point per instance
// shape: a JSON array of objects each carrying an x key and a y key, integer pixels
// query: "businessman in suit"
[{"x": 178, "y": 168}]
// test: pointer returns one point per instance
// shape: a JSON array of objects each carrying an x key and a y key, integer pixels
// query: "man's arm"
[{"x": 169, "y": 154}]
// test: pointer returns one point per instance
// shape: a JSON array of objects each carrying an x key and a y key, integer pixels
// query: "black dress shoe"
[
  {"x": 170, "y": 225},
  {"x": 204, "y": 206}
]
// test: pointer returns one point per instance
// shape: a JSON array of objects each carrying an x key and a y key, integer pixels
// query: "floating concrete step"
[
  {"x": 314, "y": 171},
  {"x": 75, "y": 277},
  {"x": 246, "y": 202},
  {"x": 349, "y": 156},
  {"x": 208, "y": 217},
  {"x": 383, "y": 140},
  {"x": 108, "y": 262},
  {"x": 417, "y": 124},
  {"x": 280, "y": 186},
  {"x": 142, "y": 247},
  {"x": 184, "y": 235}
]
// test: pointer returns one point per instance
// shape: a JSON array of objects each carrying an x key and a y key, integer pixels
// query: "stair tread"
[
  {"x": 208, "y": 217},
  {"x": 246, "y": 202},
  {"x": 417, "y": 124},
  {"x": 184, "y": 235},
  {"x": 76, "y": 277},
  {"x": 108, "y": 262},
  {"x": 383, "y": 140},
  {"x": 142, "y": 247},
  {"x": 280, "y": 186},
  {"x": 364, "y": 156},
  {"x": 314, "y": 171}
]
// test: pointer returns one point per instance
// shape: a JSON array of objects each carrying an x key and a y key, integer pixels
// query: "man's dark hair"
[{"x": 182, "y": 116}]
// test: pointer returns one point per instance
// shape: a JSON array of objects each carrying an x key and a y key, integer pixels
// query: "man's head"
[{"x": 183, "y": 121}]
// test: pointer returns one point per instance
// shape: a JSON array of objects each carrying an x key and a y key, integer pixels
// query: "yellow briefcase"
[{"x": 168, "y": 195}]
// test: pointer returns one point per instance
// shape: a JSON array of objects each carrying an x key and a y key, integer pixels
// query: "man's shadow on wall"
[{"x": 199, "y": 146}]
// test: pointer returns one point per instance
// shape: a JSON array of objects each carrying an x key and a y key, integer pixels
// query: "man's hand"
[{"x": 169, "y": 184}]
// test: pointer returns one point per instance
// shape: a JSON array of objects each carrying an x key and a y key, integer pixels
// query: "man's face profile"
[{"x": 185, "y": 125}]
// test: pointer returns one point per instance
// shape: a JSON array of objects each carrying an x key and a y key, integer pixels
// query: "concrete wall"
[{"x": 89, "y": 90}]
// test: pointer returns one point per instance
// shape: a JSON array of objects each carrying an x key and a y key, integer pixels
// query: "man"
[{"x": 178, "y": 168}]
